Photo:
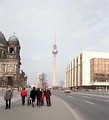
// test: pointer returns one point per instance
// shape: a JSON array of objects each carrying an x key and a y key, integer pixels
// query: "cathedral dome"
[
  {"x": 13, "y": 40},
  {"x": 2, "y": 39}
]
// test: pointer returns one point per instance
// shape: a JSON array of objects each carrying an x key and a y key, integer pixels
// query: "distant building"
[
  {"x": 88, "y": 70},
  {"x": 10, "y": 62}
]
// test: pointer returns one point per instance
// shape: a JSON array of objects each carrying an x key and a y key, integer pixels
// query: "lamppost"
[{"x": 106, "y": 84}]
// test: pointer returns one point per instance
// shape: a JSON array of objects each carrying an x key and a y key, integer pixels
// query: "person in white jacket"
[{"x": 28, "y": 90}]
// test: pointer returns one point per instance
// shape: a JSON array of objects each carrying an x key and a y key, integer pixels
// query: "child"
[{"x": 42, "y": 99}]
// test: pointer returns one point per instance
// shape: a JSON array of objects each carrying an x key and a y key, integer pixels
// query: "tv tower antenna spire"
[{"x": 54, "y": 52}]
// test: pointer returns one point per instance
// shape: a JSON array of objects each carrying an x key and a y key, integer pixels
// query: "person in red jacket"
[{"x": 23, "y": 95}]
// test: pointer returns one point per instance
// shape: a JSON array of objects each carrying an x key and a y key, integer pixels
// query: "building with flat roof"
[{"x": 88, "y": 70}]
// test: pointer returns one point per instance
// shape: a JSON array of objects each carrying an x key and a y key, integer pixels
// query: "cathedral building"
[{"x": 10, "y": 62}]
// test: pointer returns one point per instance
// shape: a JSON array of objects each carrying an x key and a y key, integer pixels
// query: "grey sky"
[{"x": 80, "y": 25}]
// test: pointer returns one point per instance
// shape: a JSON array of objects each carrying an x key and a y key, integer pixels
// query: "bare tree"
[
  {"x": 62, "y": 84},
  {"x": 42, "y": 79}
]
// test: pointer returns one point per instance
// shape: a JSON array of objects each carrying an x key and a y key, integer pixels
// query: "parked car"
[
  {"x": 75, "y": 90},
  {"x": 67, "y": 90}
]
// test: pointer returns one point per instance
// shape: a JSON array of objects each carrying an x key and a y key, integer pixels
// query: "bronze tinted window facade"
[{"x": 99, "y": 70}]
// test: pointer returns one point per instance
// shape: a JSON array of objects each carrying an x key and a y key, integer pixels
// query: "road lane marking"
[
  {"x": 85, "y": 96},
  {"x": 106, "y": 100},
  {"x": 89, "y": 102},
  {"x": 70, "y": 96}
]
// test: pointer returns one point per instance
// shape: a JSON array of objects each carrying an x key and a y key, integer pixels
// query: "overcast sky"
[{"x": 79, "y": 24}]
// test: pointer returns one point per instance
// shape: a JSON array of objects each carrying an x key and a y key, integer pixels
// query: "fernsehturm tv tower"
[{"x": 54, "y": 51}]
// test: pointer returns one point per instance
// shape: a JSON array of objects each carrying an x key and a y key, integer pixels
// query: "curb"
[{"x": 70, "y": 109}]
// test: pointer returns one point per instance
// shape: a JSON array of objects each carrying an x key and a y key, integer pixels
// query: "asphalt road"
[
  {"x": 57, "y": 111},
  {"x": 87, "y": 106}
]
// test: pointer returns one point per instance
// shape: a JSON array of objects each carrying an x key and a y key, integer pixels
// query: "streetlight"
[{"x": 106, "y": 84}]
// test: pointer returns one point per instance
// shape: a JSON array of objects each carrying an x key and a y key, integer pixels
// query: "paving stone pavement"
[{"x": 57, "y": 111}]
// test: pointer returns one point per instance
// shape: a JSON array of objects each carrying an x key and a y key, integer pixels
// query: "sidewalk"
[
  {"x": 57, "y": 111},
  {"x": 15, "y": 97}
]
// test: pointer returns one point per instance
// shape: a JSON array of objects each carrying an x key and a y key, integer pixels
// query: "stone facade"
[{"x": 10, "y": 62}]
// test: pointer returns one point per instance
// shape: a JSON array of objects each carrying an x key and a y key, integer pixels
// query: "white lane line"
[
  {"x": 85, "y": 96},
  {"x": 89, "y": 102},
  {"x": 106, "y": 100},
  {"x": 70, "y": 96}
]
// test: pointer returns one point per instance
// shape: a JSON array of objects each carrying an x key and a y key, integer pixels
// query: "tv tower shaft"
[{"x": 54, "y": 51}]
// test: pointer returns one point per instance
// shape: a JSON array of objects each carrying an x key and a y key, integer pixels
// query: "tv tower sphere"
[{"x": 55, "y": 51}]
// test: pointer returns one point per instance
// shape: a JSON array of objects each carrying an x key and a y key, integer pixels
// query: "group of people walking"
[
  {"x": 30, "y": 95},
  {"x": 35, "y": 94}
]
